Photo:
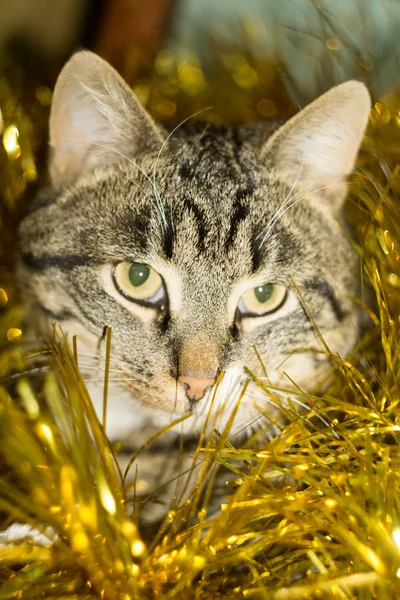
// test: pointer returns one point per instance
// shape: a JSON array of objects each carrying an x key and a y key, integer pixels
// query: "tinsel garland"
[{"x": 313, "y": 513}]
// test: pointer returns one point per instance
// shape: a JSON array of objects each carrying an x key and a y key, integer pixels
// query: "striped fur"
[{"x": 206, "y": 213}]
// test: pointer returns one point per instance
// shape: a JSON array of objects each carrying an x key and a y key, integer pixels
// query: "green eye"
[
  {"x": 264, "y": 292},
  {"x": 139, "y": 274},
  {"x": 262, "y": 300},
  {"x": 139, "y": 282}
]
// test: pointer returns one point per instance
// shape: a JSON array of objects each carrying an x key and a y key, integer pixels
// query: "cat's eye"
[
  {"x": 140, "y": 283},
  {"x": 261, "y": 300}
]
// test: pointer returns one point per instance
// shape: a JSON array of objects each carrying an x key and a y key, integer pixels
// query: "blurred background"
[{"x": 316, "y": 40}]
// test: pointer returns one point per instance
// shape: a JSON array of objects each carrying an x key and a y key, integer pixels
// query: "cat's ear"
[
  {"x": 95, "y": 119},
  {"x": 318, "y": 147}
]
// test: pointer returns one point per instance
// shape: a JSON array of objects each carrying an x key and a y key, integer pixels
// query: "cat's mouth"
[
  {"x": 234, "y": 405},
  {"x": 204, "y": 398}
]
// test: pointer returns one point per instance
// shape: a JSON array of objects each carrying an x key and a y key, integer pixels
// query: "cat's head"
[{"x": 206, "y": 250}]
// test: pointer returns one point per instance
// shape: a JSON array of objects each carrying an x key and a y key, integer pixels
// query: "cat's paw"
[{"x": 18, "y": 533}]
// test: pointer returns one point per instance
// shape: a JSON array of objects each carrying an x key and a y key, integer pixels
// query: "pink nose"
[{"x": 195, "y": 388}]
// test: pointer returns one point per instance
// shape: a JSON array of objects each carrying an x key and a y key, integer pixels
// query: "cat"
[{"x": 205, "y": 251}]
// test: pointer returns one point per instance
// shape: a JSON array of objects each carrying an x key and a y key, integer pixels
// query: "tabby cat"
[{"x": 205, "y": 251}]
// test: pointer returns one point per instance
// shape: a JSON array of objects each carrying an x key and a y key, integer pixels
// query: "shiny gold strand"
[{"x": 314, "y": 513}]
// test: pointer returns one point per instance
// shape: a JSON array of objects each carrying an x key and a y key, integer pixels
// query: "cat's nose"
[{"x": 195, "y": 388}]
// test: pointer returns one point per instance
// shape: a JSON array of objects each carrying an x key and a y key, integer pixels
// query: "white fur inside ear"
[
  {"x": 322, "y": 141},
  {"x": 95, "y": 119}
]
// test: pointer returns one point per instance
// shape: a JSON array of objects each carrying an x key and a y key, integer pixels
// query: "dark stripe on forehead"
[
  {"x": 200, "y": 219},
  {"x": 240, "y": 211},
  {"x": 186, "y": 170},
  {"x": 137, "y": 228},
  {"x": 241, "y": 162},
  {"x": 168, "y": 234},
  {"x": 324, "y": 289},
  {"x": 65, "y": 262},
  {"x": 256, "y": 253},
  {"x": 206, "y": 151},
  {"x": 285, "y": 244}
]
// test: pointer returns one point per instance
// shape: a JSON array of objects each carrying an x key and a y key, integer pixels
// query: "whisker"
[
  {"x": 139, "y": 187},
  {"x": 85, "y": 368},
  {"x": 293, "y": 196},
  {"x": 250, "y": 423},
  {"x": 288, "y": 196},
  {"x": 299, "y": 403},
  {"x": 281, "y": 209},
  {"x": 99, "y": 359},
  {"x": 26, "y": 372},
  {"x": 132, "y": 162},
  {"x": 117, "y": 380},
  {"x": 97, "y": 364},
  {"x": 40, "y": 353},
  {"x": 169, "y": 137},
  {"x": 159, "y": 155},
  {"x": 271, "y": 225}
]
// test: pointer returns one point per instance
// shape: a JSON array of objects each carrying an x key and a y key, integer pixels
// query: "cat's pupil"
[
  {"x": 138, "y": 274},
  {"x": 264, "y": 292}
]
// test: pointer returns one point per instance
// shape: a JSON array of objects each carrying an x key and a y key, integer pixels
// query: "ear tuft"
[
  {"x": 95, "y": 119},
  {"x": 320, "y": 144}
]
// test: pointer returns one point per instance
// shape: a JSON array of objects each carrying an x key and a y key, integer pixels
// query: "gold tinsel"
[{"x": 330, "y": 527}]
